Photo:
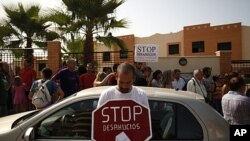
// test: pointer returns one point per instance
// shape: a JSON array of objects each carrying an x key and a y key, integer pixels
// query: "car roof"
[{"x": 152, "y": 93}]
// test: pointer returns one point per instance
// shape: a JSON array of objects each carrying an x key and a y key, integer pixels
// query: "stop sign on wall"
[{"x": 121, "y": 120}]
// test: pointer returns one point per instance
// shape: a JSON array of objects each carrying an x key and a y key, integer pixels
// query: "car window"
[
  {"x": 173, "y": 121},
  {"x": 71, "y": 122},
  {"x": 170, "y": 121}
]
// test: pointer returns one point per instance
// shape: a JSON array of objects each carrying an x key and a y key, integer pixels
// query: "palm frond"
[{"x": 110, "y": 40}]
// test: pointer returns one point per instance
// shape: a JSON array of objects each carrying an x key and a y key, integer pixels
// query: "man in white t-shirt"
[
  {"x": 124, "y": 89},
  {"x": 178, "y": 83}
]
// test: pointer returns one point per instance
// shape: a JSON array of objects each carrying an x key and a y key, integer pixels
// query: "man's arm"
[
  {"x": 59, "y": 95},
  {"x": 104, "y": 82}
]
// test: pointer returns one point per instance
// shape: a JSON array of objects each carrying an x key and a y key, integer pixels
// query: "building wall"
[
  {"x": 166, "y": 63},
  {"x": 212, "y": 35},
  {"x": 163, "y": 40},
  {"x": 245, "y": 42},
  {"x": 129, "y": 40}
]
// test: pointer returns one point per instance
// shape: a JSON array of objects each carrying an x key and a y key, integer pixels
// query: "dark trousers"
[{"x": 3, "y": 110}]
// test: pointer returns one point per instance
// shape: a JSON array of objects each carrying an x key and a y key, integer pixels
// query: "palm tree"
[
  {"x": 25, "y": 27},
  {"x": 89, "y": 18}
]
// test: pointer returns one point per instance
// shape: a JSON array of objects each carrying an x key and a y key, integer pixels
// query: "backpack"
[{"x": 41, "y": 97}]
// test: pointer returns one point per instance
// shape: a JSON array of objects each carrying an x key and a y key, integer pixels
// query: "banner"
[{"x": 146, "y": 53}]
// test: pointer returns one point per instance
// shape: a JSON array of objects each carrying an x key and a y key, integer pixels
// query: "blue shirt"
[{"x": 69, "y": 81}]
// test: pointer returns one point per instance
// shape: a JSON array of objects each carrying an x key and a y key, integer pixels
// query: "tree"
[
  {"x": 89, "y": 18},
  {"x": 24, "y": 28}
]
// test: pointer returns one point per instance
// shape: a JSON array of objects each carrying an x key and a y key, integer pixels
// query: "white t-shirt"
[
  {"x": 196, "y": 86},
  {"x": 178, "y": 84},
  {"x": 136, "y": 94}
]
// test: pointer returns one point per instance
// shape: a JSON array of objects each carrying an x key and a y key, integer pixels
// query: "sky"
[{"x": 148, "y": 17}]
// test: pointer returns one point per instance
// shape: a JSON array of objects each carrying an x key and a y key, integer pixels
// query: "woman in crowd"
[{"x": 167, "y": 78}]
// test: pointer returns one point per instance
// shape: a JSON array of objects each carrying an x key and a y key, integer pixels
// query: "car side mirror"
[{"x": 29, "y": 134}]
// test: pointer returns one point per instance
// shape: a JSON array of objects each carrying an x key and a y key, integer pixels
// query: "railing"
[
  {"x": 15, "y": 58},
  {"x": 243, "y": 67},
  {"x": 103, "y": 59}
]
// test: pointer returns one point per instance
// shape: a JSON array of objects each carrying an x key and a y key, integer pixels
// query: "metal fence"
[
  {"x": 103, "y": 59},
  {"x": 243, "y": 67},
  {"x": 15, "y": 58}
]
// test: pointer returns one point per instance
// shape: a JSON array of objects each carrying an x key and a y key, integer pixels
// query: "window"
[
  {"x": 173, "y": 49},
  {"x": 198, "y": 47},
  {"x": 123, "y": 54},
  {"x": 106, "y": 56},
  {"x": 224, "y": 46},
  {"x": 71, "y": 122},
  {"x": 172, "y": 121}
]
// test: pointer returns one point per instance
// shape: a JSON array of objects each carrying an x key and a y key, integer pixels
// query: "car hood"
[{"x": 7, "y": 121}]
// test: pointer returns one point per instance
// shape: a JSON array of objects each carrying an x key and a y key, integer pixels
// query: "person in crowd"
[
  {"x": 81, "y": 70},
  {"x": 54, "y": 90},
  {"x": 147, "y": 71},
  {"x": 235, "y": 105},
  {"x": 140, "y": 80},
  {"x": 225, "y": 88},
  {"x": 178, "y": 83},
  {"x": 17, "y": 70},
  {"x": 157, "y": 79},
  {"x": 107, "y": 70},
  {"x": 167, "y": 78},
  {"x": 62, "y": 66},
  {"x": 87, "y": 79},
  {"x": 196, "y": 85},
  {"x": 9, "y": 74},
  {"x": 124, "y": 89},
  {"x": 208, "y": 83},
  {"x": 112, "y": 77},
  {"x": 3, "y": 91},
  {"x": 68, "y": 78},
  {"x": 18, "y": 90},
  {"x": 28, "y": 76},
  {"x": 217, "y": 95},
  {"x": 101, "y": 78}
]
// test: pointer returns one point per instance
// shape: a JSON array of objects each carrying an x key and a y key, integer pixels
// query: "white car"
[{"x": 189, "y": 118}]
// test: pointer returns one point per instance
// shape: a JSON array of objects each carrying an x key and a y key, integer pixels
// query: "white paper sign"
[{"x": 146, "y": 53}]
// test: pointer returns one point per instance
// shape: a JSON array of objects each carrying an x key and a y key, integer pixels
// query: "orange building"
[{"x": 203, "y": 39}]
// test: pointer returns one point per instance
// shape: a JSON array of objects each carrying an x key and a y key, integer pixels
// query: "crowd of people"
[{"x": 218, "y": 91}]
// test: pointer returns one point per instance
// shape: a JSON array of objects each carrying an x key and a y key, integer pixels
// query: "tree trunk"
[
  {"x": 88, "y": 51},
  {"x": 28, "y": 52}
]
